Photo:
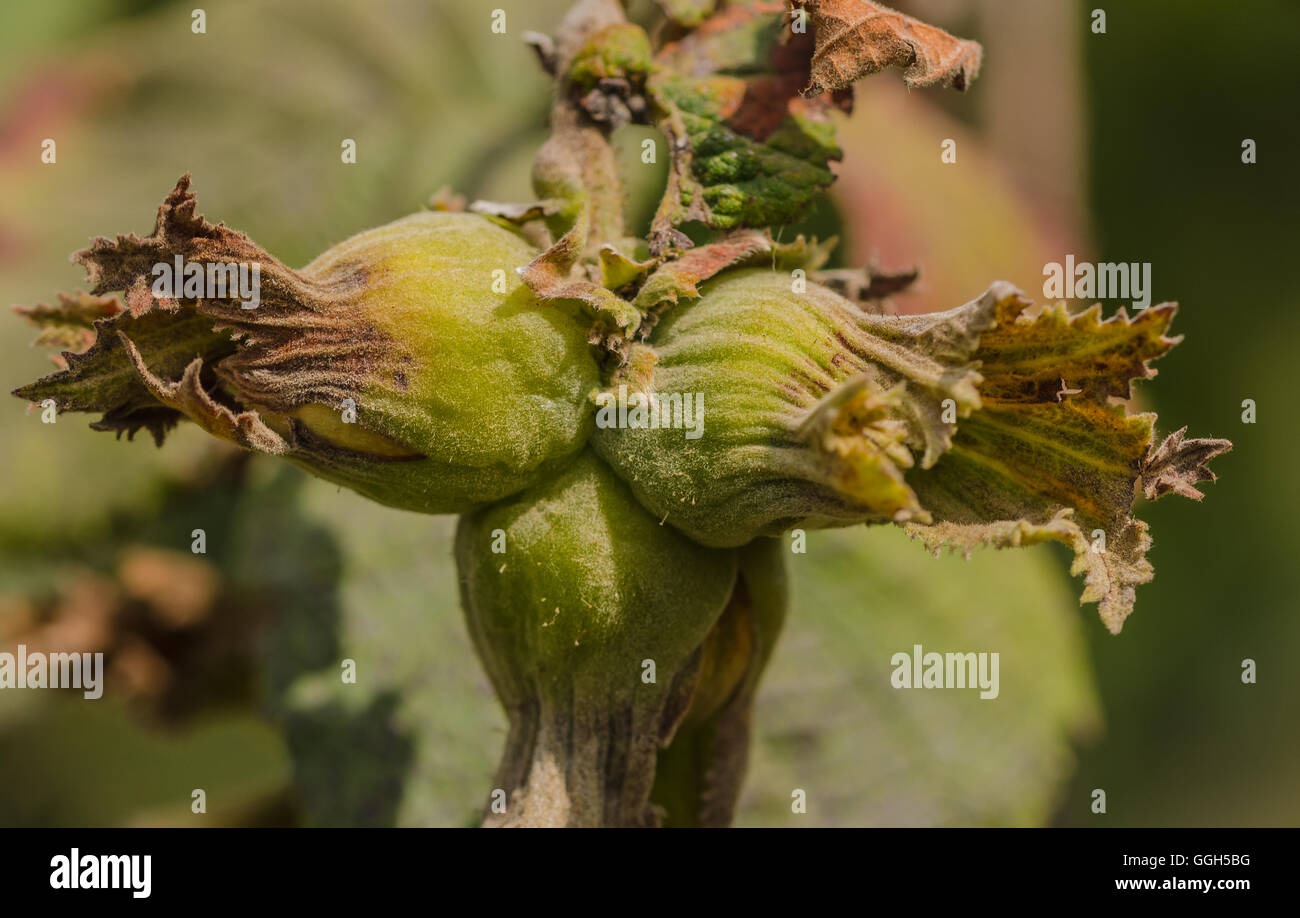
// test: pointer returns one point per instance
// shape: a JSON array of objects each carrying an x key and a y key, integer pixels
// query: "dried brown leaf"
[
  {"x": 856, "y": 38},
  {"x": 1177, "y": 465}
]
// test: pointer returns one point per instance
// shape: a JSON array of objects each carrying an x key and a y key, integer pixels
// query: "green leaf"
[
  {"x": 414, "y": 740},
  {"x": 829, "y": 722},
  {"x": 747, "y": 150},
  {"x": 745, "y": 101},
  {"x": 728, "y": 174}
]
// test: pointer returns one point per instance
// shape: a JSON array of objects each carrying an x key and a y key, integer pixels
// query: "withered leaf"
[
  {"x": 869, "y": 286},
  {"x": 70, "y": 325},
  {"x": 1177, "y": 465},
  {"x": 681, "y": 276},
  {"x": 856, "y": 38},
  {"x": 126, "y": 263}
]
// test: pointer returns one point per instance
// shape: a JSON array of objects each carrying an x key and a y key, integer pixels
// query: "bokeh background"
[{"x": 223, "y": 668}]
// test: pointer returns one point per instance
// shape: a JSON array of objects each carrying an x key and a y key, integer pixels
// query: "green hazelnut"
[
  {"x": 409, "y": 362},
  {"x": 490, "y": 389},
  {"x": 699, "y": 776},
  {"x": 812, "y": 409},
  {"x": 589, "y": 616}
]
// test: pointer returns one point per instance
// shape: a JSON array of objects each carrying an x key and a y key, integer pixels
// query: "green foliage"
[{"x": 829, "y": 721}]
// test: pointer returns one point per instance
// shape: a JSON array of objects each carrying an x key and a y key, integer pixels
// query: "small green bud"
[
  {"x": 617, "y": 52},
  {"x": 591, "y": 620}
]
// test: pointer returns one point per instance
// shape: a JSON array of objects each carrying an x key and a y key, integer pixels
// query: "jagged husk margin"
[
  {"x": 819, "y": 408},
  {"x": 1051, "y": 456},
  {"x": 160, "y": 359},
  {"x": 918, "y": 377}
]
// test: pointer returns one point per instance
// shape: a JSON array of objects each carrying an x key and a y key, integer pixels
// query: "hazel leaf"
[
  {"x": 745, "y": 101},
  {"x": 939, "y": 758},
  {"x": 729, "y": 174},
  {"x": 856, "y": 38},
  {"x": 746, "y": 149}
]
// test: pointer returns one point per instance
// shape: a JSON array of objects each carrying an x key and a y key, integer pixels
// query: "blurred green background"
[{"x": 224, "y": 668}]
